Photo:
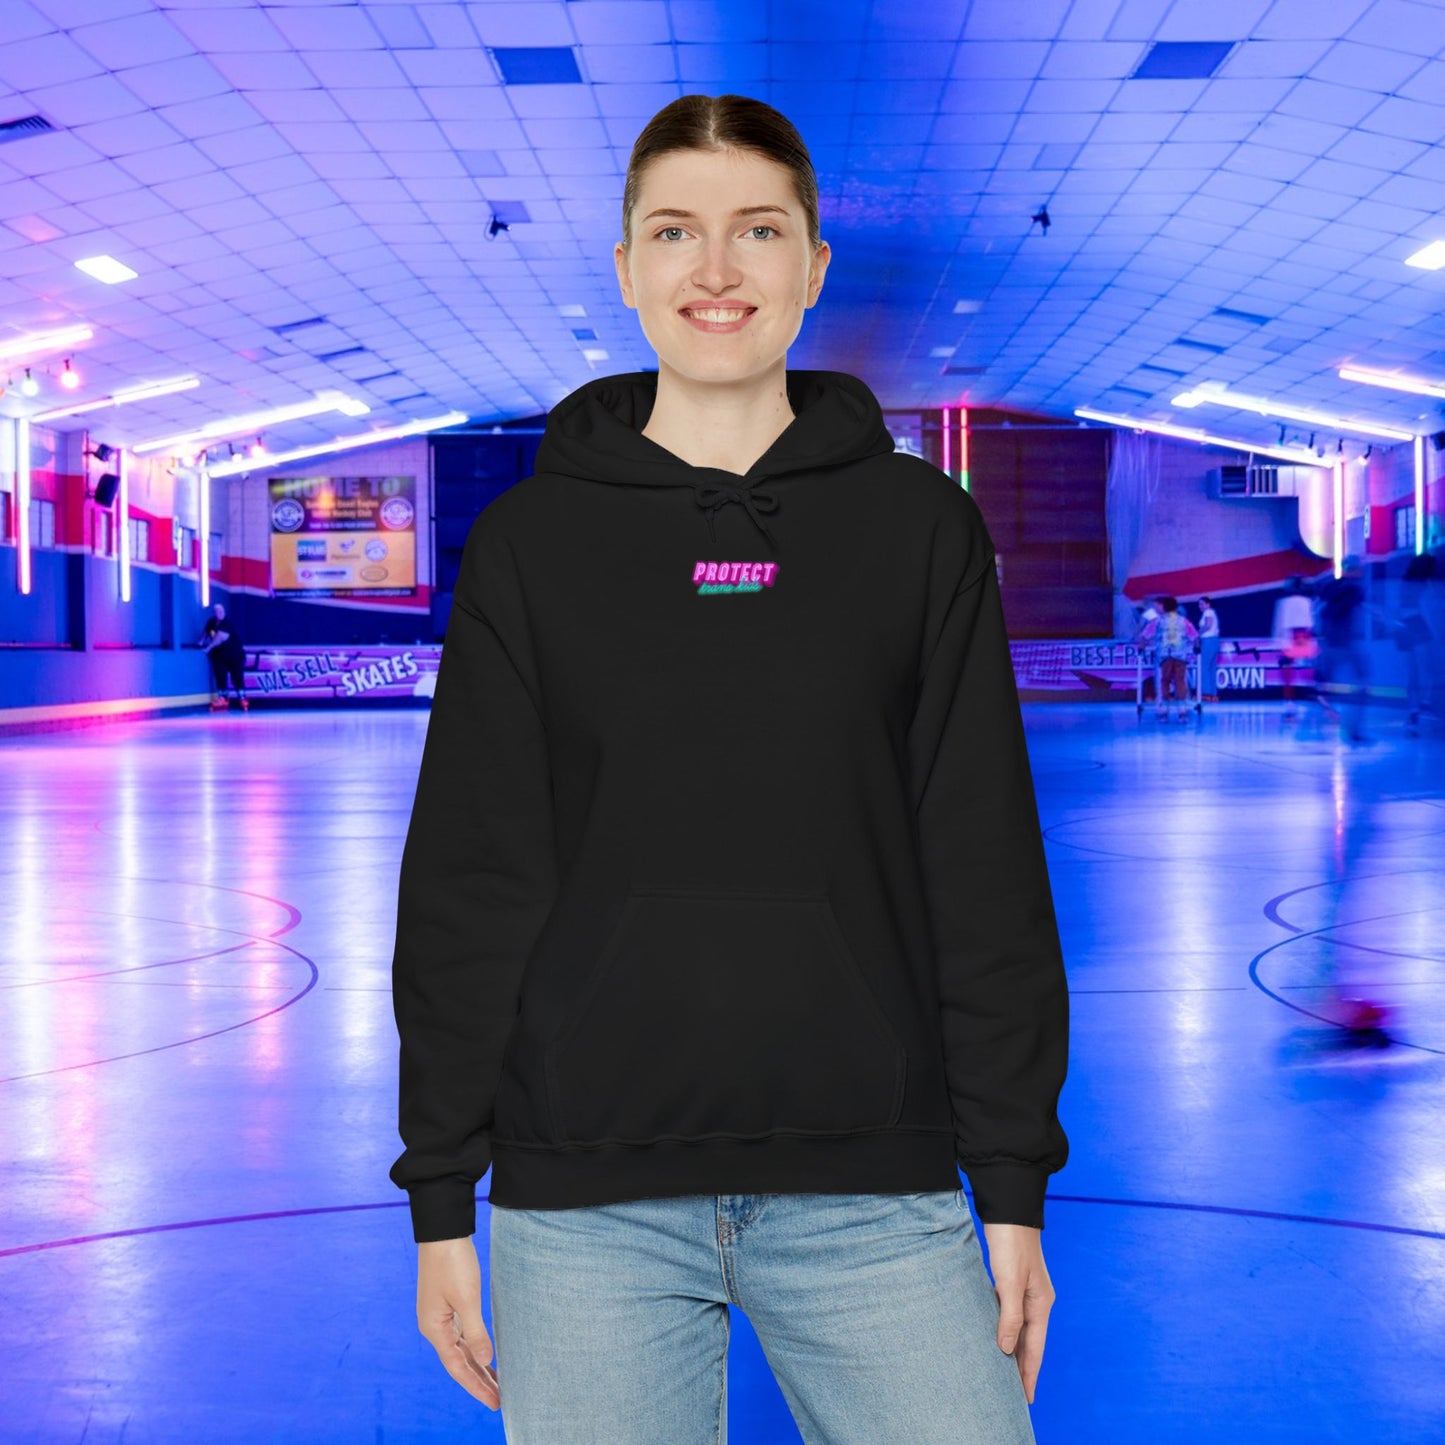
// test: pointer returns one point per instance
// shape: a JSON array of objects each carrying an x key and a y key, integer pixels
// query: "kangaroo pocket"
[{"x": 724, "y": 1013}]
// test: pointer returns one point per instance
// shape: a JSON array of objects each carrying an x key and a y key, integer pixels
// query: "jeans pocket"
[{"x": 724, "y": 1014}]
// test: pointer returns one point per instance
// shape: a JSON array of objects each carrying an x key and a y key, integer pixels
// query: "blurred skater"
[
  {"x": 1294, "y": 635},
  {"x": 1416, "y": 638},
  {"x": 1208, "y": 651},
  {"x": 1343, "y": 668},
  {"x": 222, "y": 643}
]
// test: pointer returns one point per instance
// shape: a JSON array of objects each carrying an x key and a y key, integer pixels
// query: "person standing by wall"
[
  {"x": 222, "y": 643},
  {"x": 1208, "y": 651}
]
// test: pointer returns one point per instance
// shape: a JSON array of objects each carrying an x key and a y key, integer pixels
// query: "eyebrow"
[{"x": 741, "y": 211}]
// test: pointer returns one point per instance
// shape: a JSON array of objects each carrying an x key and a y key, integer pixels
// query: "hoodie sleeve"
[
  {"x": 477, "y": 880},
  {"x": 1002, "y": 987}
]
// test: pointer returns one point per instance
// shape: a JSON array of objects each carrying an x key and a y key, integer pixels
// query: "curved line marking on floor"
[
  {"x": 294, "y": 917},
  {"x": 1299, "y": 934},
  {"x": 262, "y": 1216},
  {"x": 1272, "y": 908}
]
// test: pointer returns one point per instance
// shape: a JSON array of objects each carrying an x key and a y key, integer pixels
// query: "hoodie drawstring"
[{"x": 712, "y": 495}]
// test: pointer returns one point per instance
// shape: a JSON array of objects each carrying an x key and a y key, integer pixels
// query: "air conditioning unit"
[{"x": 1267, "y": 479}]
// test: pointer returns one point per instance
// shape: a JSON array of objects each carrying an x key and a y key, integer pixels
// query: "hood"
[{"x": 596, "y": 433}]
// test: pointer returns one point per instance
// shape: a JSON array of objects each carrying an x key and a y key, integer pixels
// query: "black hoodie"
[{"x": 724, "y": 872}]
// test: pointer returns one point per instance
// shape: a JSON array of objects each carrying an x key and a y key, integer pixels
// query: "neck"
[{"x": 727, "y": 425}]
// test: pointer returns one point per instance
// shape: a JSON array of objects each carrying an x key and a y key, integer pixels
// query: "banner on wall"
[
  {"x": 366, "y": 673},
  {"x": 343, "y": 536},
  {"x": 1104, "y": 671},
  {"x": 1108, "y": 669}
]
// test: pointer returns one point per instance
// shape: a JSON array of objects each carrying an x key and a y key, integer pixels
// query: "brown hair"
[{"x": 722, "y": 122}]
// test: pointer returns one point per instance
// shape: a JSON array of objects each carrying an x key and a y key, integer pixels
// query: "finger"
[
  {"x": 1030, "y": 1355},
  {"x": 1010, "y": 1317},
  {"x": 458, "y": 1364},
  {"x": 470, "y": 1367}
]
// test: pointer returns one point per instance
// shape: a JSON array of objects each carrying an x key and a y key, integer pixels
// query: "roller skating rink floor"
[{"x": 199, "y": 1242}]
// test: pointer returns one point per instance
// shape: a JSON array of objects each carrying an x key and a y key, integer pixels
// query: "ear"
[
  {"x": 624, "y": 278},
  {"x": 816, "y": 271}
]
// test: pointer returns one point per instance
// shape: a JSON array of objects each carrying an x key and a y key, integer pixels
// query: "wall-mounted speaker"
[{"x": 105, "y": 489}]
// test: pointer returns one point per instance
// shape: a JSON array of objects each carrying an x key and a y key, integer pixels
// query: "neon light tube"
[
  {"x": 1339, "y": 510},
  {"x": 22, "y": 501},
  {"x": 120, "y": 398},
  {"x": 13, "y": 346},
  {"x": 203, "y": 481},
  {"x": 947, "y": 449},
  {"x": 365, "y": 439},
  {"x": 1392, "y": 381},
  {"x": 123, "y": 521},
  {"x": 1262, "y": 406},
  {"x": 963, "y": 447},
  {"x": 1419, "y": 496},
  {"x": 1192, "y": 434},
  {"x": 322, "y": 402}
]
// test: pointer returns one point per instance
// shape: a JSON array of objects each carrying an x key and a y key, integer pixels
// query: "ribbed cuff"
[
  {"x": 443, "y": 1208},
  {"x": 1008, "y": 1193}
]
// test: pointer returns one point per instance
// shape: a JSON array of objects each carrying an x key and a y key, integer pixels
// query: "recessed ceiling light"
[
  {"x": 1392, "y": 381},
  {"x": 120, "y": 398},
  {"x": 107, "y": 269},
  {"x": 34, "y": 341},
  {"x": 1191, "y": 434},
  {"x": 230, "y": 468},
  {"x": 324, "y": 401},
  {"x": 967, "y": 308},
  {"x": 1428, "y": 258},
  {"x": 1215, "y": 394}
]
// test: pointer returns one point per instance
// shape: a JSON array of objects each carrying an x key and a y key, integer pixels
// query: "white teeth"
[{"x": 730, "y": 313}]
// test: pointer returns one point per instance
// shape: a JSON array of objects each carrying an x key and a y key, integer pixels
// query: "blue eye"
[
  {"x": 666, "y": 229},
  {"x": 763, "y": 228}
]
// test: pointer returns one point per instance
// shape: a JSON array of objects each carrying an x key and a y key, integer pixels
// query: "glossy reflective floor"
[{"x": 199, "y": 1243}]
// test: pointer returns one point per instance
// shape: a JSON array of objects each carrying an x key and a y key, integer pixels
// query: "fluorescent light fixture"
[
  {"x": 1191, "y": 434},
  {"x": 1337, "y": 545},
  {"x": 1217, "y": 395},
  {"x": 1419, "y": 496},
  {"x": 595, "y": 353},
  {"x": 1391, "y": 381},
  {"x": 107, "y": 269},
  {"x": 122, "y": 522},
  {"x": 341, "y": 444},
  {"x": 34, "y": 341},
  {"x": 22, "y": 504},
  {"x": 120, "y": 398},
  {"x": 1428, "y": 258},
  {"x": 324, "y": 401}
]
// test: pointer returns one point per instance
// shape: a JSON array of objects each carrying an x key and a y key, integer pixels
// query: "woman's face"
[{"x": 719, "y": 229}]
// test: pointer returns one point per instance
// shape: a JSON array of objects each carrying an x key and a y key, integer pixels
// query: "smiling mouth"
[{"x": 718, "y": 313}]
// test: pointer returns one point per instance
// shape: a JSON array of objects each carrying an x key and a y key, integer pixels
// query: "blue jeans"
[{"x": 875, "y": 1313}]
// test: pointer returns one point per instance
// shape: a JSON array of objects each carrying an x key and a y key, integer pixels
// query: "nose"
[{"x": 717, "y": 268}]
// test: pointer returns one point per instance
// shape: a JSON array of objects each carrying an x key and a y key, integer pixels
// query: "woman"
[
  {"x": 724, "y": 931},
  {"x": 1208, "y": 651}
]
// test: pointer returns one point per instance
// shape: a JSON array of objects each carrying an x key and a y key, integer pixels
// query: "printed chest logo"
[{"x": 711, "y": 578}]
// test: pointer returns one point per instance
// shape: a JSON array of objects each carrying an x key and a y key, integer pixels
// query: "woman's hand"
[
  {"x": 1025, "y": 1296},
  {"x": 449, "y": 1315}
]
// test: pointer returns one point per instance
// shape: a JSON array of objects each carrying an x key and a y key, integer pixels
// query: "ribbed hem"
[
  {"x": 443, "y": 1209},
  {"x": 898, "y": 1162},
  {"x": 1008, "y": 1193}
]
